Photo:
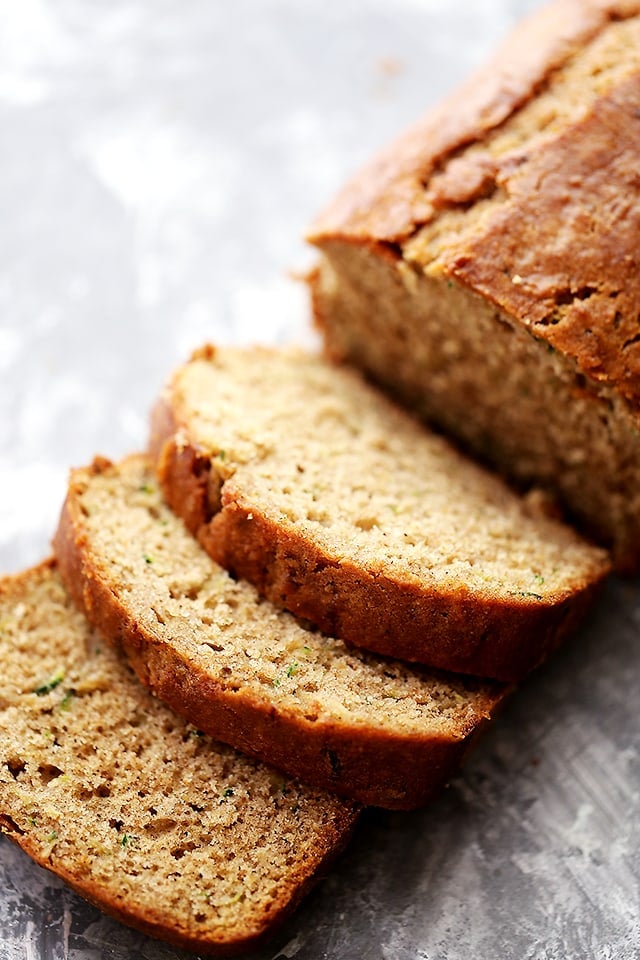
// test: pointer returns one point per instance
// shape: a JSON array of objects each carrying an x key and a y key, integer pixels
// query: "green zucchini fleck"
[{"x": 50, "y": 684}]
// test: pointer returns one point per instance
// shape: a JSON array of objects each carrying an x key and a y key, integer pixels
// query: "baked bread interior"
[{"x": 143, "y": 815}]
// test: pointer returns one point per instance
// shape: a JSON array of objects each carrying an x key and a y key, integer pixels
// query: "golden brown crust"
[
  {"x": 575, "y": 288},
  {"x": 448, "y": 630},
  {"x": 527, "y": 256},
  {"x": 371, "y": 765},
  {"x": 537, "y": 46}
]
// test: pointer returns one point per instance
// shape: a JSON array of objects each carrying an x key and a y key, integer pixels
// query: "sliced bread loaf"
[
  {"x": 484, "y": 266},
  {"x": 304, "y": 480},
  {"x": 246, "y": 672},
  {"x": 143, "y": 815}
]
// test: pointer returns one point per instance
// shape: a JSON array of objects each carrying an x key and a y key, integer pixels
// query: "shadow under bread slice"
[
  {"x": 379, "y": 731},
  {"x": 152, "y": 821},
  {"x": 298, "y": 476}
]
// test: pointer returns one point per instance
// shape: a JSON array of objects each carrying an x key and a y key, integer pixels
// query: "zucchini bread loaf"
[
  {"x": 375, "y": 730},
  {"x": 298, "y": 476},
  {"x": 485, "y": 266},
  {"x": 140, "y": 812}
]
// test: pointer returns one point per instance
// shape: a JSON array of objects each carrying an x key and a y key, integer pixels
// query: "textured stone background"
[{"x": 158, "y": 165}]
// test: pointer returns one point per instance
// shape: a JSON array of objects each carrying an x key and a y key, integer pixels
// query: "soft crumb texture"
[
  {"x": 359, "y": 490},
  {"x": 378, "y": 730},
  {"x": 484, "y": 268},
  {"x": 150, "y": 819}
]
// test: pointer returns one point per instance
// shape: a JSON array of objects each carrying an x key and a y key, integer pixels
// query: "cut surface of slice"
[
  {"x": 143, "y": 815},
  {"x": 379, "y": 731},
  {"x": 303, "y": 479}
]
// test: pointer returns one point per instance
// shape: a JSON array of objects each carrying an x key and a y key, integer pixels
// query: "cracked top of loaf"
[{"x": 524, "y": 187}]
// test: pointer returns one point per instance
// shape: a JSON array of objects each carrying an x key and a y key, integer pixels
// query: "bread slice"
[
  {"x": 246, "y": 672},
  {"x": 152, "y": 821},
  {"x": 302, "y": 479},
  {"x": 484, "y": 267}
]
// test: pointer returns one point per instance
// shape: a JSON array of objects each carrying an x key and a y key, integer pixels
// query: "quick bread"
[
  {"x": 140, "y": 812},
  {"x": 299, "y": 477},
  {"x": 484, "y": 267},
  {"x": 376, "y": 730}
]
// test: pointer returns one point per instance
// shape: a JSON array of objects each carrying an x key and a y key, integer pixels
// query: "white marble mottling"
[{"x": 159, "y": 164}]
